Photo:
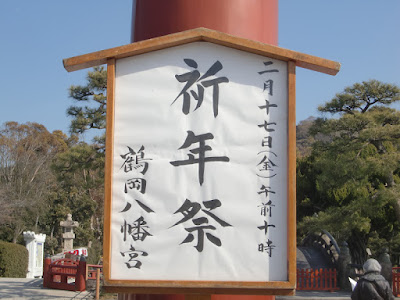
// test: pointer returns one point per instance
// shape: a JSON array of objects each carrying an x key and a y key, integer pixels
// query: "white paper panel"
[{"x": 145, "y": 243}]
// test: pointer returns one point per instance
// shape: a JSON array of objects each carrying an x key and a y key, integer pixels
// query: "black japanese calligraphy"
[
  {"x": 137, "y": 230},
  {"x": 267, "y": 247},
  {"x": 265, "y": 190},
  {"x": 265, "y": 126},
  {"x": 267, "y": 142},
  {"x": 267, "y": 106},
  {"x": 265, "y": 227},
  {"x": 133, "y": 254},
  {"x": 267, "y": 165},
  {"x": 266, "y": 208},
  {"x": 194, "y": 77},
  {"x": 200, "y": 151},
  {"x": 135, "y": 161},
  {"x": 268, "y": 85},
  {"x": 189, "y": 210},
  {"x": 141, "y": 204},
  {"x": 138, "y": 184},
  {"x": 268, "y": 63}
]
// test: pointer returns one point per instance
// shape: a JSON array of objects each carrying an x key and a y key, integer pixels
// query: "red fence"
[
  {"x": 396, "y": 281},
  {"x": 91, "y": 271},
  {"x": 325, "y": 280},
  {"x": 57, "y": 274},
  {"x": 317, "y": 280},
  {"x": 64, "y": 274}
]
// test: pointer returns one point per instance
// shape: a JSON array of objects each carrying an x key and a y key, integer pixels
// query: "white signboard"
[
  {"x": 78, "y": 252},
  {"x": 199, "y": 178}
]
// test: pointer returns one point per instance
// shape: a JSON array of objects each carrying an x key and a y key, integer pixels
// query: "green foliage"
[
  {"x": 361, "y": 96},
  {"x": 303, "y": 138},
  {"x": 13, "y": 260},
  {"x": 81, "y": 169},
  {"x": 51, "y": 246},
  {"x": 44, "y": 176},
  {"x": 93, "y": 114},
  {"x": 80, "y": 173},
  {"x": 26, "y": 152},
  {"x": 6, "y": 233},
  {"x": 95, "y": 253},
  {"x": 348, "y": 184}
]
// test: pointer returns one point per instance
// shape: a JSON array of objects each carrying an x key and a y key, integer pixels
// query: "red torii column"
[{"x": 255, "y": 20}]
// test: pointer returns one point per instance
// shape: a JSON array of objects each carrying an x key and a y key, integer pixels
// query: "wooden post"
[
  {"x": 97, "y": 284},
  {"x": 87, "y": 272},
  {"x": 46, "y": 271}
]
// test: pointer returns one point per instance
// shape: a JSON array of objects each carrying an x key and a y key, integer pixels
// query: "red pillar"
[
  {"x": 255, "y": 20},
  {"x": 46, "y": 271},
  {"x": 80, "y": 279}
]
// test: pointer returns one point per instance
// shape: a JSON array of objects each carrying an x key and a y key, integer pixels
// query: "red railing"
[
  {"x": 317, "y": 280},
  {"x": 91, "y": 271},
  {"x": 396, "y": 281},
  {"x": 64, "y": 274}
]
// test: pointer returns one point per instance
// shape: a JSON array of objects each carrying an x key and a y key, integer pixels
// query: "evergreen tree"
[
  {"x": 349, "y": 184},
  {"x": 80, "y": 169},
  {"x": 80, "y": 176},
  {"x": 92, "y": 99}
]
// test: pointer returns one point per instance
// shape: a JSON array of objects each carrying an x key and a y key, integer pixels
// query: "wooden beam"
[
  {"x": 108, "y": 167},
  {"x": 198, "y": 297},
  {"x": 126, "y": 289},
  {"x": 291, "y": 173},
  {"x": 201, "y": 34}
]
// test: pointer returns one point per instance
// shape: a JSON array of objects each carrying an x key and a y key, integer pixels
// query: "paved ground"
[
  {"x": 26, "y": 288},
  {"x": 314, "y": 295}
]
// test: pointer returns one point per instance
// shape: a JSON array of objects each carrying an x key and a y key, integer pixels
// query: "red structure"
[
  {"x": 91, "y": 271},
  {"x": 396, "y": 281},
  {"x": 255, "y": 20},
  {"x": 317, "y": 280},
  {"x": 57, "y": 273}
]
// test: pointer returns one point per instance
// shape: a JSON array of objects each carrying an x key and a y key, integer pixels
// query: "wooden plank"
[
  {"x": 108, "y": 167},
  {"x": 301, "y": 59},
  {"x": 198, "y": 297},
  {"x": 100, "y": 57},
  {"x": 199, "y": 287},
  {"x": 97, "y": 284},
  {"x": 142, "y": 290},
  {"x": 201, "y": 34},
  {"x": 291, "y": 184},
  {"x": 200, "y": 284}
]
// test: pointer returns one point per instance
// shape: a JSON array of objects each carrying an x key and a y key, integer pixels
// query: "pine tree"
[{"x": 349, "y": 184}]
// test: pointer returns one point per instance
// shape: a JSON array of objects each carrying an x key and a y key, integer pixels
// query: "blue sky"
[{"x": 363, "y": 35}]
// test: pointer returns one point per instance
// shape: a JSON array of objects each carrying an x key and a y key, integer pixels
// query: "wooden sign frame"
[{"x": 293, "y": 59}]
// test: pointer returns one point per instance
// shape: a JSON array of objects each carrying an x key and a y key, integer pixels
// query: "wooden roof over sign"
[{"x": 201, "y": 34}]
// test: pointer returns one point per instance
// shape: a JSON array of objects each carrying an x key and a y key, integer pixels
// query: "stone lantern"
[{"x": 68, "y": 235}]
